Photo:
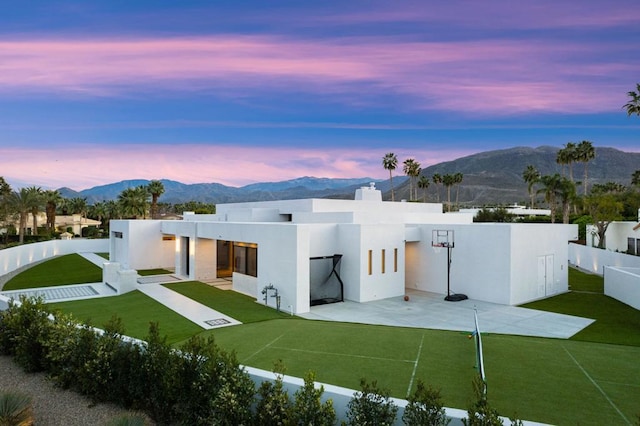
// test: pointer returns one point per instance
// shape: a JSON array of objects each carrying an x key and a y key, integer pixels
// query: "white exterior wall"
[
  {"x": 615, "y": 237},
  {"x": 141, "y": 245},
  {"x": 16, "y": 257},
  {"x": 594, "y": 259},
  {"x": 379, "y": 284},
  {"x": 623, "y": 284}
]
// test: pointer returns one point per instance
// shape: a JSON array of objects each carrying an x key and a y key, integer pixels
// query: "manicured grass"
[
  {"x": 615, "y": 323},
  {"x": 539, "y": 379},
  {"x": 62, "y": 270},
  {"x": 581, "y": 281},
  {"x": 238, "y": 306},
  {"x": 158, "y": 271},
  {"x": 136, "y": 310},
  {"x": 103, "y": 255}
]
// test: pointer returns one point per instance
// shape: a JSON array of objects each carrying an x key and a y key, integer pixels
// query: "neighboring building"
[
  {"x": 620, "y": 236},
  {"x": 320, "y": 250},
  {"x": 76, "y": 222},
  {"x": 515, "y": 209}
]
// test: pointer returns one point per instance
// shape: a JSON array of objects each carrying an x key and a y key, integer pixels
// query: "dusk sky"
[{"x": 236, "y": 92}]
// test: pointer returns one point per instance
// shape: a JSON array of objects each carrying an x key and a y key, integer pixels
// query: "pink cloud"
[
  {"x": 84, "y": 166},
  {"x": 493, "y": 76}
]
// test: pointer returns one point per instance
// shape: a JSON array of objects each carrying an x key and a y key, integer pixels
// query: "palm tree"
[
  {"x": 567, "y": 155},
  {"x": 390, "y": 162},
  {"x": 412, "y": 169},
  {"x": 5, "y": 194},
  {"x": 458, "y": 180},
  {"x": 52, "y": 198},
  {"x": 156, "y": 189},
  {"x": 586, "y": 152},
  {"x": 77, "y": 205},
  {"x": 20, "y": 203},
  {"x": 437, "y": 179},
  {"x": 531, "y": 176},
  {"x": 567, "y": 193},
  {"x": 550, "y": 188},
  {"x": 423, "y": 183},
  {"x": 633, "y": 106},
  {"x": 448, "y": 181},
  {"x": 35, "y": 203},
  {"x": 134, "y": 201}
]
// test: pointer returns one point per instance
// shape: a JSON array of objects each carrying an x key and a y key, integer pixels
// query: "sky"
[{"x": 237, "y": 92}]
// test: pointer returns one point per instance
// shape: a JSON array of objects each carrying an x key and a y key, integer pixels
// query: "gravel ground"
[{"x": 54, "y": 406}]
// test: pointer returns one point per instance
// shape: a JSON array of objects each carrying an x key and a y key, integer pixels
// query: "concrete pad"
[{"x": 430, "y": 310}]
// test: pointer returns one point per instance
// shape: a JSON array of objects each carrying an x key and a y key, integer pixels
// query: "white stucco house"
[
  {"x": 322, "y": 250},
  {"x": 621, "y": 236}
]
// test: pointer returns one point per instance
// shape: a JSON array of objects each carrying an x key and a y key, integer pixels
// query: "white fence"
[
  {"x": 623, "y": 284},
  {"x": 594, "y": 259},
  {"x": 14, "y": 258}
]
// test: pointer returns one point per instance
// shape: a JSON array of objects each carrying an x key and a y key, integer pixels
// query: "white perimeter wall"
[
  {"x": 16, "y": 257},
  {"x": 594, "y": 259},
  {"x": 141, "y": 245},
  {"x": 623, "y": 284}
]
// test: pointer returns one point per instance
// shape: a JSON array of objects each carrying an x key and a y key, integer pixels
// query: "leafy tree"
[
  {"x": 635, "y": 178},
  {"x": 633, "y": 106},
  {"x": 480, "y": 413},
  {"x": 531, "y": 176},
  {"x": 423, "y": 183},
  {"x": 425, "y": 407},
  {"x": 156, "y": 189},
  {"x": 608, "y": 187},
  {"x": 390, "y": 162},
  {"x": 197, "y": 207},
  {"x": 499, "y": 214},
  {"x": 585, "y": 153},
  {"x": 273, "y": 406},
  {"x": 371, "y": 406},
  {"x": 604, "y": 209}
]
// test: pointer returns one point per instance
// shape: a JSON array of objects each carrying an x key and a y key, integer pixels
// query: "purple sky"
[{"x": 237, "y": 92}]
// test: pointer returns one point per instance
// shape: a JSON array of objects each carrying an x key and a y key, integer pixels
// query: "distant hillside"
[
  {"x": 492, "y": 177},
  {"x": 496, "y": 176}
]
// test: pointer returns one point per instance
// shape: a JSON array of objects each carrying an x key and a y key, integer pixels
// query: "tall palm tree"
[
  {"x": 567, "y": 193},
  {"x": 35, "y": 204},
  {"x": 423, "y": 183},
  {"x": 567, "y": 155},
  {"x": 448, "y": 181},
  {"x": 20, "y": 203},
  {"x": 156, "y": 189},
  {"x": 550, "y": 188},
  {"x": 437, "y": 180},
  {"x": 585, "y": 153},
  {"x": 5, "y": 195},
  {"x": 52, "y": 199},
  {"x": 633, "y": 106},
  {"x": 77, "y": 205},
  {"x": 390, "y": 162},
  {"x": 412, "y": 169},
  {"x": 457, "y": 177},
  {"x": 531, "y": 176}
]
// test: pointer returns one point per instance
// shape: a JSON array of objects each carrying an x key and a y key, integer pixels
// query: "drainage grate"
[
  {"x": 216, "y": 322},
  {"x": 50, "y": 294}
]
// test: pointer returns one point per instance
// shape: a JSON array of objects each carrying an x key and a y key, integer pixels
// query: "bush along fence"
[{"x": 197, "y": 384}]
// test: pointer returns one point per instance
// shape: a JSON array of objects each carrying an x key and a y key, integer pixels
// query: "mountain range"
[{"x": 491, "y": 177}]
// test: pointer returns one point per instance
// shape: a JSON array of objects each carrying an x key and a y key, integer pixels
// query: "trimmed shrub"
[
  {"x": 425, "y": 407},
  {"x": 273, "y": 406},
  {"x": 308, "y": 408},
  {"x": 480, "y": 413},
  {"x": 371, "y": 406}
]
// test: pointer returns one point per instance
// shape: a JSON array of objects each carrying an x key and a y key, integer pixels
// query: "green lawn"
[
  {"x": 61, "y": 270},
  {"x": 146, "y": 272},
  {"x": 136, "y": 310},
  {"x": 581, "y": 281},
  {"x": 547, "y": 380},
  {"x": 243, "y": 308}
]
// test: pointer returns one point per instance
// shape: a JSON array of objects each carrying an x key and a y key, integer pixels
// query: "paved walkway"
[
  {"x": 94, "y": 258},
  {"x": 430, "y": 310}
]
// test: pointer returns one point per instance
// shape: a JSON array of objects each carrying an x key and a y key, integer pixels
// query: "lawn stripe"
[
  {"x": 633, "y": 385},
  {"x": 343, "y": 354},
  {"x": 415, "y": 366},
  {"x": 597, "y": 386},
  {"x": 263, "y": 348}
]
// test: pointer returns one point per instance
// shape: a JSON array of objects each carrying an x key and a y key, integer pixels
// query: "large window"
[
  {"x": 633, "y": 246},
  {"x": 245, "y": 259}
]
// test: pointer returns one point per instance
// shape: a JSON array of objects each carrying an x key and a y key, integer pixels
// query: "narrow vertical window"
[
  {"x": 382, "y": 261},
  {"x": 395, "y": 260},
  {"x": 370, "y": 261}
]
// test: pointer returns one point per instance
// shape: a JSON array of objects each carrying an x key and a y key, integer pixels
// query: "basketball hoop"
[{"x": 444, "y": 238}]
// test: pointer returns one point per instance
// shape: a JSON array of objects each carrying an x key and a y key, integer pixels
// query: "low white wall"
[
  {"x": 594, "y": 259},
  {"x": 14, "y": 258},
  {"x": 623, "y": 284}
]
